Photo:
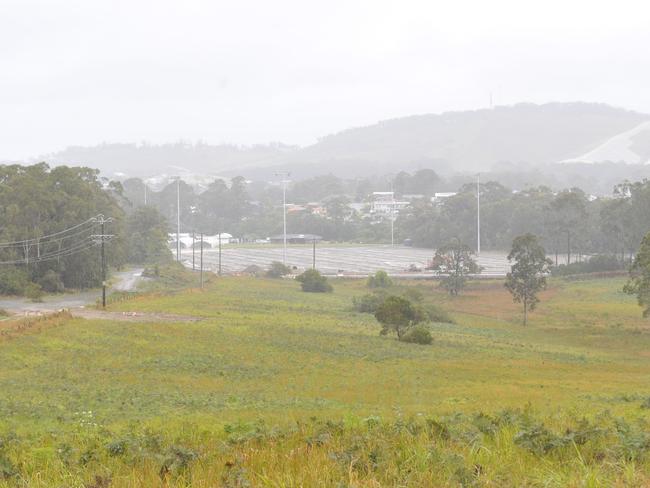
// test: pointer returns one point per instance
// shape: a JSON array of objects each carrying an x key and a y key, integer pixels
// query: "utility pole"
[
  {"x": 285, "y": 175},
  {"x": 478, "y": 214},
  {"x": 178, "y": 219},
  {"x": 219, "y": 253},
  {"x": 102, "y": 238},
  {"x": 392, "y": 222},
  {"x": 201, "y": 259}
]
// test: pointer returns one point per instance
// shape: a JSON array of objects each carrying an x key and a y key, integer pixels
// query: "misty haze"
[{"x": 317, "y": 244}]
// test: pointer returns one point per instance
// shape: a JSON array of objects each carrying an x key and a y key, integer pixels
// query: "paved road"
[
  {"x": 334, "y": 260},
  {"x": 122, "y": 281}
]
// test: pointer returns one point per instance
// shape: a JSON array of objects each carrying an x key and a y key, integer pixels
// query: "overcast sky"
[{"x": 82, "y": 72}]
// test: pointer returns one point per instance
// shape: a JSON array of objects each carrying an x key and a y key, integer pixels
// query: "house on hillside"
[{"x": 384, "y": 203}]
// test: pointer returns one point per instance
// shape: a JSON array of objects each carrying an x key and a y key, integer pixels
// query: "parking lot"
[{"x": 337, "y": 260}]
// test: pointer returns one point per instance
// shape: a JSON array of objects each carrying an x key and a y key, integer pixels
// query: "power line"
[
  {"x": 75, "y": 243},
  {"x": 56, "y": 255},
  {"x": 34, "y": 240}
]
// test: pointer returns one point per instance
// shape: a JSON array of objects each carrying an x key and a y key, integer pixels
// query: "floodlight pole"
[
  {"x": 284, "y": 174},
  {"x": 478, "y": 214},
  {"x": 178, "y": 219},
  {"x": 219, "y": 253},
  {"x": 392, "y": 223},
  {"x": 103, "y": 267}
]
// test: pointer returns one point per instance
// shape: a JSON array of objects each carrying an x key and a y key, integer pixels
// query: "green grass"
[{"x": 276, "y": 387}]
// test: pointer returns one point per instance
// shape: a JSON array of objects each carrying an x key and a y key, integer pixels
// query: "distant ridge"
[{"x": 450, "y": 142}]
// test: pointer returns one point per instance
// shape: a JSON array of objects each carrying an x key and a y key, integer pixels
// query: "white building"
[
  {"x": 208, "y": 241},
  {"x": 384, "y": 203},
  {"x": 440, "y": 196}
]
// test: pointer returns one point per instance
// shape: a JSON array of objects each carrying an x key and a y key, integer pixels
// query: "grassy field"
[{"x": 276, "y": 387}]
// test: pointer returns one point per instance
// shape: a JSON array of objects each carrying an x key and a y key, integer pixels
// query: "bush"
[
  {"x": 253, "y": 270},
  {"x": 593, "y": 265},
  {"x": 34, "y": 292},
  {"x": 278, "y": 270},
  {"x": 51, "y": 282},
  {"x": 13, "y": 281},
  {"x": 436, "y": 314},
  {"x": 370, "y": 302},
  {"x": 379, "y": 280},
  {"x": 397, "y": 314},
  {"x": 418, "y": 334},
  {"x": 313, "y": 282}
]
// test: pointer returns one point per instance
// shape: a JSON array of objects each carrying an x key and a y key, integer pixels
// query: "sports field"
[{"x": 276, "y": 387}]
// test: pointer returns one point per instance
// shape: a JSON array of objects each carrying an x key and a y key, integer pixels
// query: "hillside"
[
  {"x": 147, "y": 160},
  {"x": 473, "y": 140},
  {"x": 276, "y": 387},
  {"x": 450, "y": 142}
]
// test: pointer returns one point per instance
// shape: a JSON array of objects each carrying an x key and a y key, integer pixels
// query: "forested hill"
[
  {"x": 473, "y": 140},
  {"x": 450, "y": 142},
  {"x": 146, "y": 160}
]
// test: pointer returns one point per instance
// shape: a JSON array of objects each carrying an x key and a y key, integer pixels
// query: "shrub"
[
  {"x": 253, "y": 270},
  {"x": 278, "y": 270},
  {"x": 593, "y": 265},
  {"x": 34, "y": 292},
  {"x": 418, "y": 334},
  {"x": 397, "y": 314},
  {"x": 436, "y": 314},
  {"x": 370, "y": 302},
  {"x": 379, "y": 280},
  {"x": 314, "y": 282},
  {"x": 13, "y": 281},
  {"x": 51, "y": 282}
]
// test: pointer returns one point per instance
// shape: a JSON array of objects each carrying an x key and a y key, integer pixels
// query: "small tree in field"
[
  {"x": 313, "y": 282},
  {"x": 527, "y": 276},
  {"x": 278, "y": 270},
  {"x": 454, "y": 262},
  {"x": 397, "y": 314},
  {"x": 639, "y": 282},
  {"x": 379, "y": 280}
]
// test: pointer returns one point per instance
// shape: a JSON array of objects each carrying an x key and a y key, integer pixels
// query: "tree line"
[
  {"x": 38, "y": 201},
  {"x": 569, "y": 223}
]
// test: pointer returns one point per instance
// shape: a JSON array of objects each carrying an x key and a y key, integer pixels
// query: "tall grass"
[{"x": 276, "y": 387}]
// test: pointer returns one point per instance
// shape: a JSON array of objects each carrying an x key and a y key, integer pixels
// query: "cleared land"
[{"x": 275, "y": 387}]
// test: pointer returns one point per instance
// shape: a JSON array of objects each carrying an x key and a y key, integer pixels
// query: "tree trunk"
[{"x": 525, "y": 312}]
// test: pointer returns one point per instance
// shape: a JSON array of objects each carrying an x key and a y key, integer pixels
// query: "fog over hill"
[{"x": 452, "y": 142}]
